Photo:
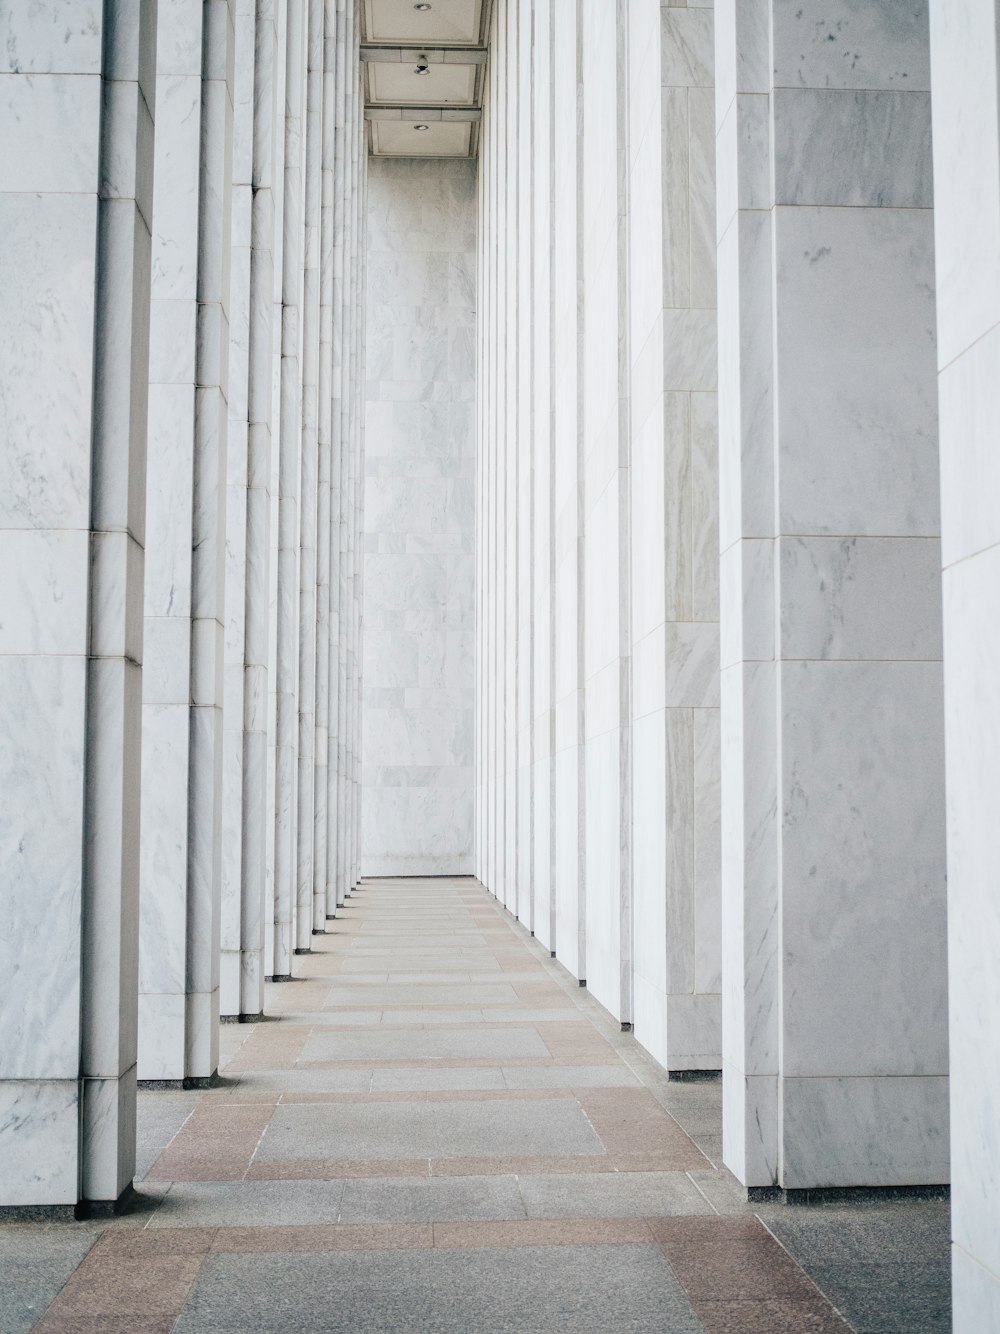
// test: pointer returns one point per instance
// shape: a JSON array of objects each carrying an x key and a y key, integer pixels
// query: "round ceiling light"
[
  {"x": 422, "y": 7},
  {"x": 421, "y": 69},
  {"x": 421, "y": 127}
]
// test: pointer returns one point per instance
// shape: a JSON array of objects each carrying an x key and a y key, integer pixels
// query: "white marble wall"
[
  {"x": 73, "y": 374},
  {"x": 835, "y": 1031},
  {"x": 419, "y": 534},
  {"x": 967, "y": 225}
]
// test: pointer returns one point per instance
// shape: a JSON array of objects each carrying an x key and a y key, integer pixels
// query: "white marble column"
[
  {"x": 290, "y": 440},
  {"x": 308, "y": 487},
  {"x": 271, "y": 909},
  {"x": 336, "y": 461},
  {"x": 185, "y": 570},
  {"x": 256, "y": 810},
  {"x": 674, "y": 537},
  {"x": 357, "y": 439},
  {"x": 324, "y": 466},
  {"x": 965, "y": 98},
  {"x": 208, "y": 540},
  {"x": 231, "y": 905},
  {"x": 167, "y": 654},
  {"x": 605, "y": 481},
  {"x": 75, "y": 206},
  {"x": 835, "y": 1031},
  {"x": 568, "y": 615},
  {"x": 354, "y": 308},
  {"x": 524, "y": 426},
  {"x": 543, "y": 596}
]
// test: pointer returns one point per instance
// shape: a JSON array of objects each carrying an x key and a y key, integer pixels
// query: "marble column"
[
  {"x": 543, "y": 563},
  {"x": 834, "y": 1005},
  {"x": 674, "y": 537},
  {"x": 568, "y": 614},
  {"x": 260, "y": 451},
  {"x": 308, "y": 487},
  {"x": 524, "y": 575},
  {"x": 605, "y": 482},
  {"x": 965, "y": 100},
  {"x": 185, "y": 569},
  {"x": 290, "y": 441},
  {"x": 335, "y": 825},
  {"x": 271, "y": 912},
  {"x": 76, "y": 202},
  {"x": 357, "y": 539},
  {"x": 208, "y": 540},
  {"x": 336, "y": 377},
  {"x": 324, "y": 472},
  {"x": 231, "y": 905}
]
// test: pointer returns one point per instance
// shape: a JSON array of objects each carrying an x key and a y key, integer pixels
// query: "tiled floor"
[{"x": 438, "y": 1130}]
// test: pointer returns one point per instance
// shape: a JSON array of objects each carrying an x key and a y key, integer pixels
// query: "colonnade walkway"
[{"x": 437, "y": 1129}]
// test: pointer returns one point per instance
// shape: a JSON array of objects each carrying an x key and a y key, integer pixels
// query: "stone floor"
[{"x": 438, "y": 1130}]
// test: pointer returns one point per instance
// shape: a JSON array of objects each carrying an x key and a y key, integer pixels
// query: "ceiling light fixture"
[
  {"x": 421, "y": 127},
  {"x": 422, "y": 7},
  {"x": 422, "y": 69}
]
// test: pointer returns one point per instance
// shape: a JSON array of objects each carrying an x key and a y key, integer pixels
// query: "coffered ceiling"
[{"x": 424, "y": 65}]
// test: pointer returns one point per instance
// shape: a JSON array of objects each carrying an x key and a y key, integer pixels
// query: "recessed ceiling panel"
[
  {"x": 394, "y": 138},
  {"x": 445, "y": 23},
  {"x": 442, "y": 85}
]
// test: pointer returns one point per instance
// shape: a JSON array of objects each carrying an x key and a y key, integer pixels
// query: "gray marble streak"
[{"x": 853, "y": 147}]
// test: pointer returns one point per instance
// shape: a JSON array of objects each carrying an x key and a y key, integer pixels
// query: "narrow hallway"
[{"x": 436, "y": 1129}]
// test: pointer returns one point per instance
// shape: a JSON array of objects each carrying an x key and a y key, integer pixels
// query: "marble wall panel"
[
  {"x": 831, "y": 721},
  {"x": 419, "y": 526},
  {"x": 965, "y": 95}
]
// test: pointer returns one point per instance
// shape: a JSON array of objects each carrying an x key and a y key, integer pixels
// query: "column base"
[
  {"x": 107, "y": 1208},
  {"x": 843, "y": 1194},
  {"x": 189, "y": 1082},
  {"x": 68, "y": 1213},
  {"x": 38, "y": 1213}
]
